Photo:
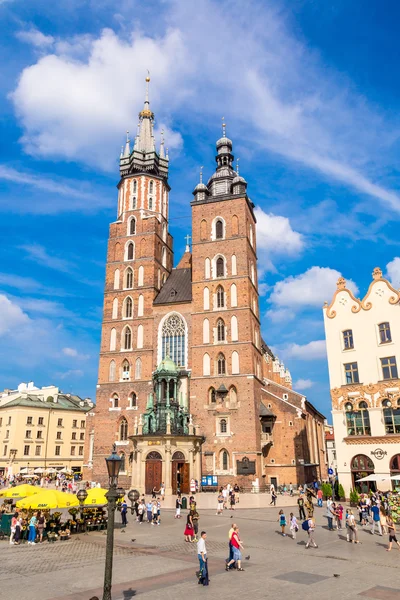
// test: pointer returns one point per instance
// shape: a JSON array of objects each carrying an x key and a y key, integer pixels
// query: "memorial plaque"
[{"x": 246, "y": 466}]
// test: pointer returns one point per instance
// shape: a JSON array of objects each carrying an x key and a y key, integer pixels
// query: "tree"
[{"x": 342, "y": 495}]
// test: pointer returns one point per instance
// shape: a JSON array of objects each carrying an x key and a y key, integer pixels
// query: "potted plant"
[
  {"x": 326, "y": 490},
  {"x": 342, "y": 495},
  {"x": 354, "y": 498}
]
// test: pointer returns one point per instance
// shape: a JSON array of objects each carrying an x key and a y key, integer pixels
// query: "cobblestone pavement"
[{"x": 158, "y": 561}]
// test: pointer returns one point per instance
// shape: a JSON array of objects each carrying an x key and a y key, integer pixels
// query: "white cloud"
[
  {"x": 11, "y": 315},
  {"x": 72, "y": 373},
  {"x": 35, "y": 38},
  {"x": 303, "y": 384},
  {"x": 311, "y": 351},
  {"x": 70, "y": 352},
  {"x": 39, "y": 254},
  {"x": 393, "y": 272},
  {"x": 310, "y": 289},
  {"x": 280, "y": 315},
  {"x": 275, "y": 234}
]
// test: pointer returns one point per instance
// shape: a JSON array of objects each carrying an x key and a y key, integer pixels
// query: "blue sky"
[{"x": 311, "y": 99}]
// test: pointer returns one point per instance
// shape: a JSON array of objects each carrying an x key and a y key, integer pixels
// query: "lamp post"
[
  {"x": 113, "y": 466},
  {"x": 81, "y": 495},
  {"x": 133, "y": 496}
]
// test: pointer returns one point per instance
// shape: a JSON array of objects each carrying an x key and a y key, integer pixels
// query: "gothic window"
[
  {"x": 111, "y": 372},
  {"x": 224, "y": 460},
  {"x": 140, "y": 305},
  {"x": 115, "y": 400},
  {"x": 207, "y": 268},
  {"x": 127, "y": 338},
  {"x": 134, "y": 186},
  {"x": 158, "y": 278},
  {"x": 234, "y": 329},
  {"x": 220, "y": 297},
  {"x": 115, "y": 308},
  {"x": 234, "y": 267},
  {"x": 150, "y": 203},
  {"x": 128, "y": 312},
  {"x": 134, "y": 203},
  {"x": 128, "y": 278},
  {"x": 251, "y": 235},
  {"x": 140, "y": 336},
  {"x": 235, "y": 363},
  {"x": 220, "y": 267},
  {"x": 206, "y": 331},
  {"x": 138, "y": 369},
  {"x": 233, "y": 295},
  {"x": 132, "y": 226},
  {"x": 235, "y": 225},
  {"x": 223, "y": 426},
  {"x": 220, "y": 330},
  {"x": 126, "y": 370},
  {"x": 113, "y": 339},
  {"x": 133, "y": 400},
  {"x": 173, "y": 337},
  {"x": 130, "y": 251},
  {"x": 203, "y": 230},
  {"x": 206, "y": 299},
  {"x": 164, "y": 257},
  {"x": 206, "y": 364},
  {"x": 151, "y": 187},
  {"x": 116, "y": 279},
  {"x": 212, "y": 396},
  {"x": 123, "y": 431},
  {"x": 141, "y": 276},
  {"x": 164, "y": 232},
  {"x": 219, "y": 229},
  {"x": 232, "y": 396},
  {"x": 117, "y": 249},
  {"x": 221, "y": 365},
  {"x": 253, "y": 274},
  {"x": 122, "y": 467}
]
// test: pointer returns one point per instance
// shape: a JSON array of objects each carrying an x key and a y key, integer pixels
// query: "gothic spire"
[{"x": 145, "y": 140}]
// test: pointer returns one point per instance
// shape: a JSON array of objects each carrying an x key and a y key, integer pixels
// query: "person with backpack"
[{"x": 309, "y": 526}]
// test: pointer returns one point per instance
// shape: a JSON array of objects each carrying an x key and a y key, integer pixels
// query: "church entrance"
[
  {"x": 180, "y": 473},
  {"x": 153, "y": 472}
]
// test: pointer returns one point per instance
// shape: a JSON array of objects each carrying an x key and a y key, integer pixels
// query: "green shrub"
[
  {"x": 354, "y": 497},
  {"x": 342, "y": 495},
  {"x": 326, "y": 490}
]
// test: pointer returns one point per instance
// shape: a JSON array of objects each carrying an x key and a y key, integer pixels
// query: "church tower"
[
  {"x": 139, "y": 260},
  {"x": 226, "y": 377}
]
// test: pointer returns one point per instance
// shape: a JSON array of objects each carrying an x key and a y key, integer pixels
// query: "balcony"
[{"x": 266, "y": 439}]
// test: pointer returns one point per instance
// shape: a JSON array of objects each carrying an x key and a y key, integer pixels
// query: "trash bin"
[
  {"x": 5, "y": 524},
  {"x": 184, "y": 502}
]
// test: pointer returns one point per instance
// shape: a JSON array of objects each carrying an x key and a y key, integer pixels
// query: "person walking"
[
  {"x": 141, "y": 510},
  {"x": 236, "y": 489},
  {"x": 293, "y": 525},
  {"x": 319, "y": 498},
  {"x": 352, "y": 528},
  {"x": 273, "y": 496},
  {"x": 339, "y": 516},
  {"x": 154, "y": 512},
  {"x": 189, "y": 531},
  {"x": 225, "y": 495},
  {"x": 202, "y": 556},
  {"x": 162, "y": 490},
  {"x": 392, "y": 533},
  {"x": 41, "y": 524},
  {"x": 300, "y": 504},
  {"x": 13, "y": 525},
  {"x": 376, "y": 519},
  {"x": 282, "y": 522},
  {"x": 220, "y": 507},
  {"x": 195, "y": 520},
  {"x": 32, "y": 530},
  {"x": 291, "y": 489},
  {"x": 124, "y": 510},
  {"x": 18, "y": 529},
  {"x": 229, "y": 560},
  {"x": 310, "y": 532},
  {"x": 149, "y": 509},
  {"x": 237, "y": 546},
  {"x": 330, "y": 513},
  {"x": 178, "y": 506},
  {"x": 232, "y": 500}
]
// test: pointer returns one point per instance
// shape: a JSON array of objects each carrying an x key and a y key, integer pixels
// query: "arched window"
[
  {"x": 234, "y": 329},
  {"x": 117, "y": 249},
  {"x": 253, "y": 274},
  {"x": 221, "y": 365},
  {"x": 122, "y": 466},
  {"x": 357, "y": 419},
  {"x": 220, "y": 297},
  {"x": 206, "y": 298},
  {"x": 111, "y": 371},
  {"x": 232, "y": 396},
  {"x": 203, "y": 230},
  {"x": 206, "y": 365},
  {"x": 126, "y": 370},
  {"x": 128, "y": 278},
  {"x": 130, "y": 251},
  {"x": 127, "y": 338},
  {"x": 150, "y": 203},
  {"x": 138, "y": 368},
  {"x": 219, "y": 229},
  {"x": 391, "y": 416},
  {"x": 234, "y": 267},
  {"x": 134, "y": 202},
  {"x": 135, "y": 186},
  {"x": 173, "y": 336},
  {"x": 251, "y": 234},
  {"x": 151, "y": 187},
  {"x": 115, "y": 401},
  {"x": 223, "y": 426},
  {"x": 141, "y": 276},
  {"x": 164, "y": 232},
  {"x": 220, "y": 330},
  {"x": 140, "y": 336},
  {"x": 159, "y": 279},
  {"x": 116, "y": 279},
  {"x": 140, "y": 306},
  {"x": 123, "y": 431},
  {"x": 220, "y": 267},
  {"x": 235, "y": 363},
  {"x": 235, "y": 225},
  {"x": 212, "y": 396},
  {"x": 207, "y": 268},
  {"x": 115, "y": 308},
  {"x": 113, "y": 339},
  {"x": 132, "y": 226},
  {"x": 206, "y": 331},
  {"x": 133, "y": 400},
  {"x": 233, "y": 295},
  {"x": 224, "y": 460},
  {"x": 164, "y": 257},
  {"x": 128, "y": 308}
]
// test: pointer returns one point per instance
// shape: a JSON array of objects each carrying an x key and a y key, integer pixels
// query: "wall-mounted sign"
[
  {"x": 378, "y": 453},
  {"x": 209, "y": 480},
  {"x": 246, "y": 466}
]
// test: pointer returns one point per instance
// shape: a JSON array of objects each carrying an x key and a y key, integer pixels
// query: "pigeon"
[
  {"x": 133, "y": 540},
  {"x": 336, "y": 575},
  {"x": 231, "y": 516},
  {"x": 247, "y": 557}
]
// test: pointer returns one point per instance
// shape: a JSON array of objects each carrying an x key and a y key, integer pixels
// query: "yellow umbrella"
[
  {"x": 20, "y": 491},
  {"x": 96, "y": 497},
  {"x": 49, "y": 499}
]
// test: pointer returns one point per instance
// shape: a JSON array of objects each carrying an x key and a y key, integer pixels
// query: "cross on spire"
[
  {"x": 187, "y": 238},
  {"x": 201, "y": 174},
  {"x": 223, "y": 127},
  {"x": 237, "y": 166}
]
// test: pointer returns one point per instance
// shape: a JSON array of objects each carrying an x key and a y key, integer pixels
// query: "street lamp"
[
  {"x": 133, "y": 496},
  {"x": 81, "y": 495},
  {"x": 113, "y": 466}
]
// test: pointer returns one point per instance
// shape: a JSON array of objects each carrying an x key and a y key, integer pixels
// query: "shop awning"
[{"x": 374, "y": 477}]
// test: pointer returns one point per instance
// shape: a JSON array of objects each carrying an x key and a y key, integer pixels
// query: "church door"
[
  {"x": 180, "y": 473},
  {"x": 153, "y": 472}
]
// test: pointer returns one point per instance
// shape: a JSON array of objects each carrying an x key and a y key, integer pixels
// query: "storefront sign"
[
  {"x": 246, "y": 466},
  {"x": 378, "y": 453}
]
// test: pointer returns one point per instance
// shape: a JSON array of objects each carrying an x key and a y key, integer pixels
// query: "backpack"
[{"x": 305, "y": 525}]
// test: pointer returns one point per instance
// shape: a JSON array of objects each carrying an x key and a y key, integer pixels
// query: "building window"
[
  {"x": 40, "y": 420},
  {"x": 82, "y": 436},
  {"x": 220, "y": 267},
  {"x": 132, "y": 226},
  {"x": 134, "y": 202},
  {"x": 127, "y": 339},
  {"x": 72, "y": 450},
  {"x": 151, "y": 187},
  {"x": 114, "y": 314},
  {"x": 129, "y": 279},
  {"x": 26, "y": 450},
  {"x": 220, "y": 297},
  {"x": 5, "y": 450},
  {"x": 125, "y": 370},
  {"x": 111, "y": 376},
  {"x": 9, "y": 421},
  {"x": 115, "y": 401},
  {"x": 150, "y": 203},
  {"x": 384, "y": 333},
  {"x": 219, "y": 229},
  {"x": 73, "y": 436},
  {"x": 59, "y": 423},
  {"x": 39, "y": 435},
  {"x": 173, "y": 339},
  {"x": 223, "y": 426},
  {"x": 130, "y": 254},
  {"x": 58, "y": 451},
  {"x": 357, "y": 420},
  {"x": 28, "y": 434},
  {"x": 123, "y": 430},
  {"x": 7, "y": 434},
  {"x": 83, "y": 424},
  {"x": 80, "y": 450},
  {"x": 224, "y": 460},
  {"x": 138, "y": 369},
  {"x": 391, "y": 416},
  {"x": 348, "y": 339},
  {"x": 113, "y": 339},
  {"x": 75, "y": 423},
  {"x": 133, "y": 400},
  {"x": 128, "y": 308},
  {"x": 206, "y": 365},
  {"x": 122, "y": 467},
  {"x": 134, "y": 186},
  {"x": 351, "y": 373},
  {"x": 212, "y": 395},
  {"x": 233, "y": 396},
  {"x": 389, "y": 367},
  {"x": 58, "y": 435},
  {"x": 220, "y": 330},
  {"x": 29, "y": 420},
  {"x": 221, "y": 365}
]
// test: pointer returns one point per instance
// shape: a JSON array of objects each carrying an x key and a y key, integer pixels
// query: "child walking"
[
  {"x": 293, "y": 525},
  {"x": 282, "y": 522}
]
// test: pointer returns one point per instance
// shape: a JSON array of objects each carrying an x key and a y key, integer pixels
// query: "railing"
[{"x": 266, "y": 438}]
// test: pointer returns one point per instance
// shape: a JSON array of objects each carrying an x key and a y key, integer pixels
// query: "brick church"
[{"x": 187, "y": 387}]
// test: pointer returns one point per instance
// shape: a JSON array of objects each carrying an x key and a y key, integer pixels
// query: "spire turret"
[{"x": 127, "y": 145}]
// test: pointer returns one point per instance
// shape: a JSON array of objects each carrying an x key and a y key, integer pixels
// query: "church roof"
[
  {"x": 186, "y": 261},
  {"x": 177, "y": 288},
  {"x": 265, "y": 412},
  {"x": 267, "y": 349}
]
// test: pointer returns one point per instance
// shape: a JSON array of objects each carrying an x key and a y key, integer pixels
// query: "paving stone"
[{"x": 300, "y": 577}]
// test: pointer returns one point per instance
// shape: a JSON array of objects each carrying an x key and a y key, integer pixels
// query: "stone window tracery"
[{"x": 173, "y": 339}]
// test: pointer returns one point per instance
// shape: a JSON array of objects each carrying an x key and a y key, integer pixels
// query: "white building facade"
[{"x": 363, "y": 347}]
